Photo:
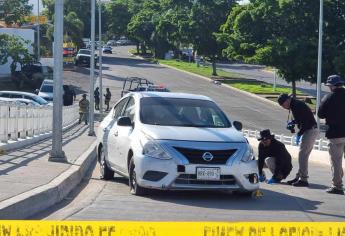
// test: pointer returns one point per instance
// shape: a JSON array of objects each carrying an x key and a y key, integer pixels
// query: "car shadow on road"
[
  {"x": 270, "y": 201},
  {"x": 226, "y": 200}
]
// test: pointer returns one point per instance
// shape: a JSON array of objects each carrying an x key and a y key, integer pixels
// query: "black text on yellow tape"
[{"x": 107, "y": 228}]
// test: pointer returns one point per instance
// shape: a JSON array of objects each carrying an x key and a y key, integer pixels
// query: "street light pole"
[
  {"x": 56, "y": 153},
  {"x": 275, "y": 80},
  {"x": 92, "y": 70},
  {"x": 100, "y": 57},
  {"x": 38, "y": 32},
  {"x": 319, "y": 63}
]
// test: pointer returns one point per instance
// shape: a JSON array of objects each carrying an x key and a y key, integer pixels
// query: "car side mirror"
[
  {"x": 37, "y": 91},
  {"x": 124, "y": 121},
  {"x": 238, "y": 125}
]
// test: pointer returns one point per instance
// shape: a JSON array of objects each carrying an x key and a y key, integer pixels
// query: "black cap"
[
  {"x": 282, "y": 98},
  {"x": 334, "y": 80},
  {"x": 84, "y": 95},
  {"x": 265, "y": 134}
]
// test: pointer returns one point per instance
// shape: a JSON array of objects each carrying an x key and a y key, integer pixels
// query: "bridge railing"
[
  {"x": 320, "y": 144},
  {"x": 23, "y": 121}
]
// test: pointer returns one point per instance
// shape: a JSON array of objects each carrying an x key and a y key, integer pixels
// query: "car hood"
[
  {"x": 45, "y": 95},
  {"x": 193, "y": 133},
  {"x": 84, "y": 55}
]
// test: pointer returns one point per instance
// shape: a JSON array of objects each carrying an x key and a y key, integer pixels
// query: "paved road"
[
  {"x": 255, "y": 114},
  {"x": 110, "y": 200},
  {"x": 257, "y": 72}
]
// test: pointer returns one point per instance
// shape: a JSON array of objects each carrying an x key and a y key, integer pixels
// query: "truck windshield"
[{"x": 87, "y": 52}]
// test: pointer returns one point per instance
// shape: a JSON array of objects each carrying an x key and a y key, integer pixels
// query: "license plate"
[{"x": 208, "y": 173}]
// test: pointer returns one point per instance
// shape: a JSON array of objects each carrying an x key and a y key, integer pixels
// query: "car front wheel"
[
  {"x": 135, "y": 189},
  {"x": 106, "y": 172}
]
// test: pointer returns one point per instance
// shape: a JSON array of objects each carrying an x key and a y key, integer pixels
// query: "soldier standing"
[
  {"x": 107, "y": 96},
  {"x": 83, "y": 109}
]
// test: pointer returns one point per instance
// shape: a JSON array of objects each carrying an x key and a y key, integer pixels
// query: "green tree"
[
  {"x": 73, "y": 29},
  {"x": 14, "y": 11},
  {"x": 142, "y": 24},
  {"x": 284, "y": 34},
  {"x": 174, "y": 23},
  {"x": 206, "y": 18},
  {"x": 118, "y": 16},
  {"x": 15, "y": 48},
  {"x": 82, "y": 9}
]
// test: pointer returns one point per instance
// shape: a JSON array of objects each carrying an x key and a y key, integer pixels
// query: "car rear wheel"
[
  {"x": 106, "y": 172},
  {"x": 135, "y": 189}
]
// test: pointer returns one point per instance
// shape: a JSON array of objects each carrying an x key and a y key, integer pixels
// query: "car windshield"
[
  {"x": 47, "y": 88},
  {"x": 182, "y": 112},
  {"x": 85, "y": 52}
]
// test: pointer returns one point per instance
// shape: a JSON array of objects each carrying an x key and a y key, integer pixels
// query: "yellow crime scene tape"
[{"x": 107, "y": 228}]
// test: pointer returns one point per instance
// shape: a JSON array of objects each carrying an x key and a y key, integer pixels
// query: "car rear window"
[
  {"x": 47, "y": 88},
  {"x": 85, "y": 52}
]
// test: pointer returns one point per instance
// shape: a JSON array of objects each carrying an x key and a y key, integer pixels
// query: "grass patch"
[
  {"x": 134, "y": 52},
  {"x": 202, "y": 70},
  {"x": 258, "y": 87},
  {"x": 232, "y": 79}
]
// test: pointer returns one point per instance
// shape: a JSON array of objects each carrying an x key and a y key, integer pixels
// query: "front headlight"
[
  {"x": 248, "y": 155},
  {"x": 153, "y": 149}
]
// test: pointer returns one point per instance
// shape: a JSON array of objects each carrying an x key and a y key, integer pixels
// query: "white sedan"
[{"x": 175, "y": 141}]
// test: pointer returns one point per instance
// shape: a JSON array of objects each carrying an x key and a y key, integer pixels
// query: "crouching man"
[{"x": 274, "y": 154}]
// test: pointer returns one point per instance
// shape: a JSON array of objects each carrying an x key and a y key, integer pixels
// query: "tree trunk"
[
  {"x": 143, "y": 48},
  {"x": 294, "y": 88},
  {"x": 214, "y": 67},
  {"x": 138, "y": 48}
]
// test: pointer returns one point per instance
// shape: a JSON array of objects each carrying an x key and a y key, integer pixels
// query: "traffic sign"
[{"x": 33, "y": 19}]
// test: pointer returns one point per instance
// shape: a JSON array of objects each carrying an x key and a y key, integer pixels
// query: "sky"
[{"x": 34, "y": 3}]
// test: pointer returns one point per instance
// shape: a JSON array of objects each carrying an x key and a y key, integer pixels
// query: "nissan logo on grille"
[{"x": 207, "y": 156}]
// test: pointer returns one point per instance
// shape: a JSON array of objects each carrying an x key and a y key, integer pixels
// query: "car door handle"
[{"x": 116, "y": 133}]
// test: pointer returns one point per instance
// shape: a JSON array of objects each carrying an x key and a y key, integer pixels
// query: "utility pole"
[
  {"x": 92, "y": 70},
  {"x": 275, "y": 80},
  {"x": 56, "y": 153},
  {"x": 100, "y": 57},
  {"x": 38, "y": 32},
  {"x": 319, "y": 64}
]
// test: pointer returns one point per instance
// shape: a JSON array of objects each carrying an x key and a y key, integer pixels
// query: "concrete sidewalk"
[{"x": 30, "y": 183}]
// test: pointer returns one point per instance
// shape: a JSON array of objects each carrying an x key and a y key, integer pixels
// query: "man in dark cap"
[
  {"x": 332, "y": 108},
  {"x": 274, "y": 154},
  {"x": 306, "y": 136}
]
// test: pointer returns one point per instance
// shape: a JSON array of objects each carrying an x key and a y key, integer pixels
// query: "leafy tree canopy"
[
  {"x": 284, "y": 34},
  {"x": 15, "y": 11},
  {"x": 13, "y": 47}
]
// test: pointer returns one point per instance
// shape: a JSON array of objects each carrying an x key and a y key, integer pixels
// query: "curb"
[
  {"x": 31, "y": 140},
  {"x": 32, "y": 202}
]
